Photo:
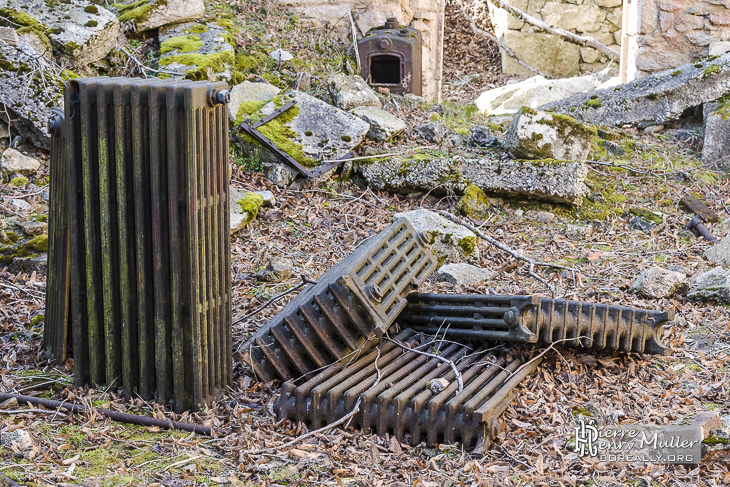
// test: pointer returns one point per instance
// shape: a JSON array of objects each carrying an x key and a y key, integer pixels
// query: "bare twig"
[
  {"x": 451, "y": 364},
  {"x": 568, "y": 36},
  {"x": 476, "y": 30},
  {"x": 346, "y": 417},
  {"x": 513, "y": 253},
  {"x": 354, "y": 41}
]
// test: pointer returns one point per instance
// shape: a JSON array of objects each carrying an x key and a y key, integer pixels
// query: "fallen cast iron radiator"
[
  {"x": 402, "y": 403},
  {"x": 148, "y": 218},
  {"x": 358, "y": 297},
  {"x": 537, "y": 320}
]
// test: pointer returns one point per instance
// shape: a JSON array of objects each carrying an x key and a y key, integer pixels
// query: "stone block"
[
  {"x": 684, "y": 22},
  {"x": 615, "y": 16},
  {"x": 722, "y": 18},
  {"x": 450, "y": 243},
  {"x": 717, "y": 48},
  {"x": 157, "y": 13},
  {"x": 545, "y": 52},
  {"x": 671, "y": 5},
  {"x": 716, "y": 151},
  {"x": 609, "y": 3},
  {"x": 535, "y": 134},
  {"x": 589, "y": 55},
  {"x": 579, "y": 18}
]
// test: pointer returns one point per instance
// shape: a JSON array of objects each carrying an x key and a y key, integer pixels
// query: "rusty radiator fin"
[
  {"x": 55, "y": 330},
  {"x": 147, "y": 164},
  {"x": 532, "y": 319},
  {"x": 357, "y": 297},
  {"x": 402, "y": 403}
]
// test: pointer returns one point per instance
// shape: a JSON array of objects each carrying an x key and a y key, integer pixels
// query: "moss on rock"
[
  {"x": 187, "y": 43},
  {"x": 19, "y": 181},
  {"x": 250, "y": 205},
  {"x": 473, "y": 203},
  {"x": 647, "y": 215}
]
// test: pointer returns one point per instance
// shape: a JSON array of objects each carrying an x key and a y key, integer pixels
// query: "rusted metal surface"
[
  {"x": 58, "y": 299},
  {"x": 356, "y": 298},
  {"x": 147, "y": 164},
  {"x": 391, "y": 57},
  {"x": 251, "y": 128},
  {"x": 402, "y": 403},
  {"x": 537, "y": 320},
  {"x": 702, "y": 214}
]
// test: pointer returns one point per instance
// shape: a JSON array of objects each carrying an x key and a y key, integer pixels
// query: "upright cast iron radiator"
[{"x": 146, "y": 163}]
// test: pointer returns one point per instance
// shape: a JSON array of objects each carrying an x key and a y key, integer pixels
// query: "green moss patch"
[
  {"x": 474, "y": 203},
  {"x": 710, "y": 70},
  {"x": 187, "y": 43},
  {"x": 647, "y": 215},
  {"x": 19, "y": 181},
  {"x": 250, "y": 205},
  {"x": 138, "y": 12},
  {"x": 216, "y": 62}
]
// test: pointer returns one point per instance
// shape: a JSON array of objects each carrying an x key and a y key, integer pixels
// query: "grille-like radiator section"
[
  {"x": 532, "y": 319},
  {"x": 357, "y": 297},
  {"x": 147, "y": 164},
  {"x": 402, "y": 403},
  {"x": 58, "y": 304}
]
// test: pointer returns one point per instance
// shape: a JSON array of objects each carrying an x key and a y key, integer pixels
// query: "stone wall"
[
  {"x": 663, "y": 34},
  {"x": 600, "y": 19},
  {"x": 425, "y": 15}
]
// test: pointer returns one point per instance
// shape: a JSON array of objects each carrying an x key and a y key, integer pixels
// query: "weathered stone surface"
[
  {"x": 19, "y": 437},
  {"x": 574, "y": 231},
  {"x": 31, "y": 228},
  {"x": 13, "y": 162},
  {"x": 540, "y": 135},
  {"x": 711, "y": 286},
  {"x": 9, "y": 36},
  {"x": 351, "y": 91},
  {"x": 196, "y": 51},
  {"x": 583, "y": 18},
  {"x": 383, "y": 125},
  {"x": 481, "y": 136},
  {"x": 548, "y": 53},
  {"x": 652, "y": 100},
  {"x": 436, "y": 386},
  {"x": 540, "y": 216},
  {"x": 638, "y": 223},
  {"x": 474, "y": 203},
  {"x": 463, "y": 274},
  {"x": 151, "y": 14},
  {"x": 80, "y": 31},
  {"x": 244, "y": 208},
  {"x": 720, "y": 252},
  {"x": 246, "y": 94},
  {"x": 433, "y": 132},
  {"x": 310, "y": 132},
  {"x": 29, "y": 117},
  {"x": 278, "y": 269},
  {"x": 531, "y": 92},
  {"x": 551, "y": 180},
  {"x": 716, "y": 146},
  {"x": 449, "y": 242},
  {"x": 657, "y": 283}
]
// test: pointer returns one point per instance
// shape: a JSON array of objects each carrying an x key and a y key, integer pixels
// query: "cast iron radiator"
[
  {"x": 533, "y": 319},
  {"x": 148, "y": 218},
  {"x": 58, "y": 304},
  {"x": 357, "y": 297},
  {"x": 402, "y": 403}
]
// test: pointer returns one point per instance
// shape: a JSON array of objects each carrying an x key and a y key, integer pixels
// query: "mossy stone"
[
  {"x": 474, "y": 203},
  {"x": 250, "y": 205}
]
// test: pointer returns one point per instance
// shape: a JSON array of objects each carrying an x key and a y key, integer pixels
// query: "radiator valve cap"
[{"x": 223, "y": 96}]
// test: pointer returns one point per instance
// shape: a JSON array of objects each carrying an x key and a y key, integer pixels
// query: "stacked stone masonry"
[
  {"x": 600, "y": 19},
  {"x": 425, "y": 15},
  {"x": 663, "y": 34}
]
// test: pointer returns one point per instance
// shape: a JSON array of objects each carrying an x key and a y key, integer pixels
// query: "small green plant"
[{"x": 249, "y": 160}]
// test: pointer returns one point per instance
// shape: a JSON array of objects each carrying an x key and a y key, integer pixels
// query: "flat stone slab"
[
  {"x": 383, "y": 125},
  {"x": 716, "y": 146},
  {"x": 151, "y": 14},
  {"x": 81, "y": 31},
  {"x": 311, "y": 132},
  {"x": 550, "y": 180},
  {"x": 652, "y": 100},
  {"x": 351, "y": 91}
]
